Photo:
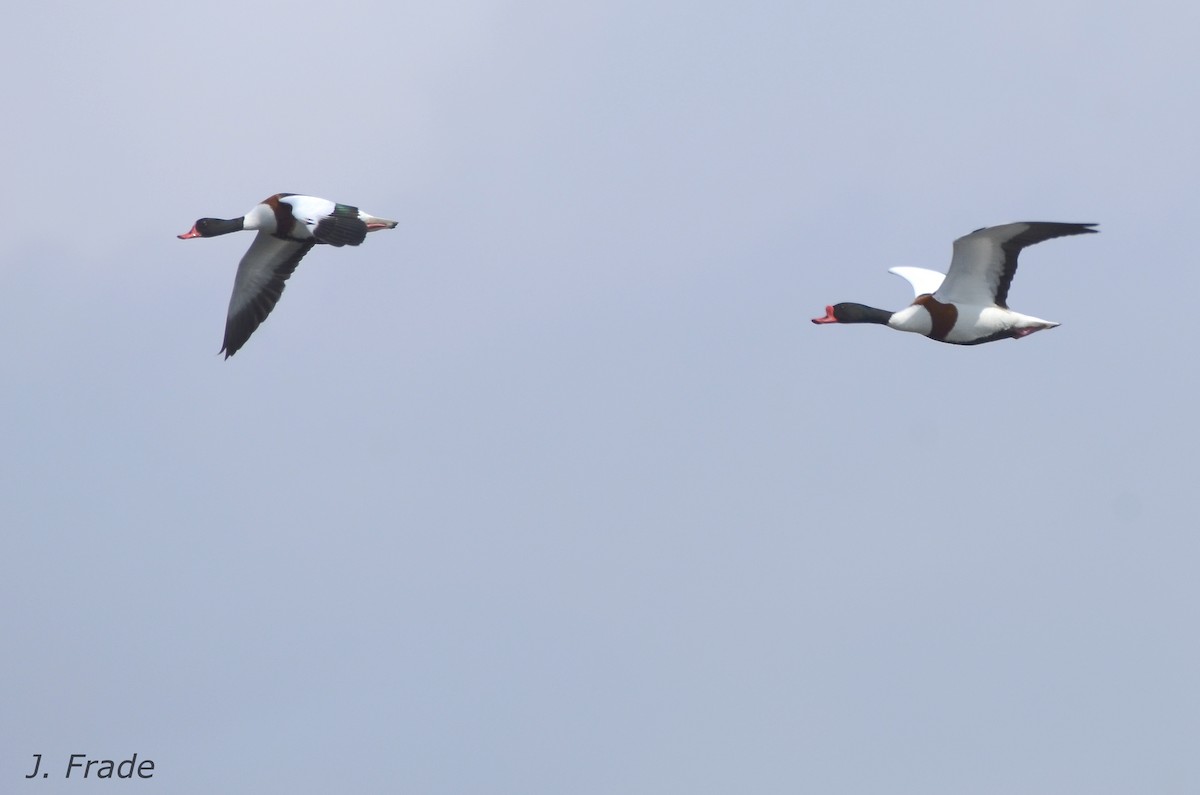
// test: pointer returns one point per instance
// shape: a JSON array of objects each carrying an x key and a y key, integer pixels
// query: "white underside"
[{"x": 973, "y": 322}]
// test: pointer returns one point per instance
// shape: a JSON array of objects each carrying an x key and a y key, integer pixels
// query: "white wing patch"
[
  {"x": 978, "y": 265},
  {"x": 309, "y": 210},
  {"x": 923, "y": 280}
]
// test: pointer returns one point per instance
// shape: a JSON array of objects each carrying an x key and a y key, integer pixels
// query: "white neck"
[
  {"x": 261, "y": 217},
  {"x": 914, "y": 318}
]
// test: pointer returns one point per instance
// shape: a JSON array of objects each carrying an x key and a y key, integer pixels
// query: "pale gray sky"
[{"x": 555, "y": 489}]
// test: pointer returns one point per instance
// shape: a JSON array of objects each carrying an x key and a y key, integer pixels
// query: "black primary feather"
[{"x": 1037, "y": 232}]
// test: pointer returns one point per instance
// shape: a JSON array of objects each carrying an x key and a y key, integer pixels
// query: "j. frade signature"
[{"x": 83, "y": 767}]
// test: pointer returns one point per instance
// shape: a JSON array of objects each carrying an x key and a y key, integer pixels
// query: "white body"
[
  {"x": 976, "y": 270},
  {"x": 308, "y": 211},
  {"x": 972, "y": 323}
]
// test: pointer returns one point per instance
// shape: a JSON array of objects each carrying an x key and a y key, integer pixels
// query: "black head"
[
  {"x": 211, "y": 227},
  {"x": 854, "y": 313}
]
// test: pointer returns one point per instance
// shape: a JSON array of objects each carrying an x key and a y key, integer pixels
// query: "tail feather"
[{"x": 374, "y": 223}]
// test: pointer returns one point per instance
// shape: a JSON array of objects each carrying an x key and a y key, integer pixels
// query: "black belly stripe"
[
  {"x": 993, "y": 337},
  {"x": 944, "y": 316}
]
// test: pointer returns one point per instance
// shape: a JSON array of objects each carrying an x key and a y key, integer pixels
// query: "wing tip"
[
  {"x": 1063, "y": 228},
  {"x": 923, "y": 281},
  {"x": 1075, "y": 229}
]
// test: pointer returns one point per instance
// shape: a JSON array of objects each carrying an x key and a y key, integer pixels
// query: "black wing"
[{"x": 258, "y": 286}]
